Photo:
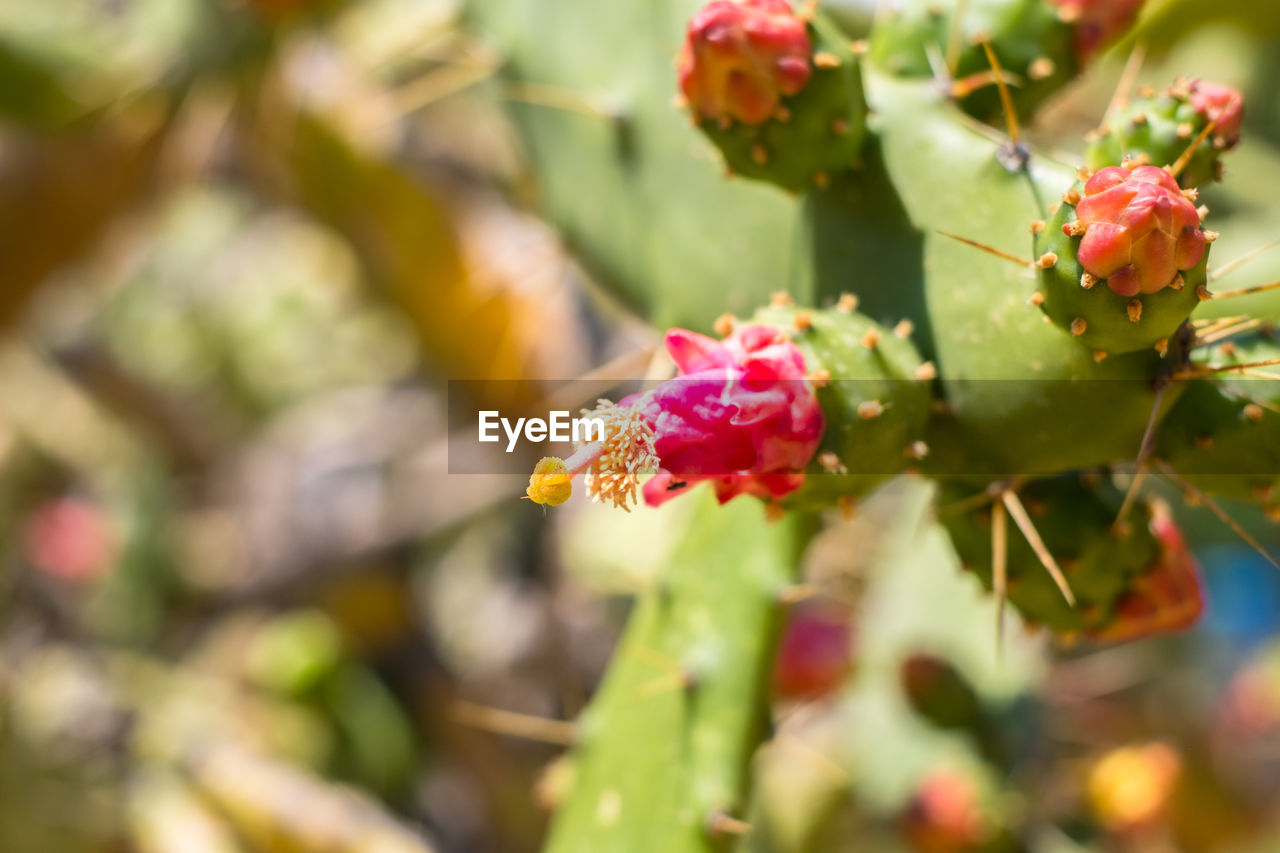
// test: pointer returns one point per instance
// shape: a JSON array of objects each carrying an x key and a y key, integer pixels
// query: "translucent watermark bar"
[{"x": 982, "y": 428}]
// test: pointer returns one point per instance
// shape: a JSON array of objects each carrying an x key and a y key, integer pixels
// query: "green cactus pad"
[
  {"x": 824, "y": 130},
  {"x": 1161, "y": 125},
  {"x": 683, "y": 707},
  {"x": 1224, "y": 434},
  {"x": 1023, "y": 397},
  {"x": 875, "y": 402},
  {"x": 1075, "y": 520},
  {"x": 1108, "y": 327},
  {"x": 1027, "y": 36}
]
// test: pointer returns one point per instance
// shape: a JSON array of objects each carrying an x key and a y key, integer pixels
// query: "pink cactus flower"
[
  {"x": 741, "y": 415},
  {"x": 1139, "y": 229},
  {"x": 1221, "y": 104},
  {"x": 1097, "y": 22},
  {"x": 740, "y": 59}
]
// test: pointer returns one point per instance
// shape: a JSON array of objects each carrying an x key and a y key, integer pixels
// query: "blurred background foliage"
[{"x": 244, "y": 606}]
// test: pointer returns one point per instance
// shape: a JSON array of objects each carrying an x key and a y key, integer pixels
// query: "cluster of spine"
[{"x": 1126, "y": 578}]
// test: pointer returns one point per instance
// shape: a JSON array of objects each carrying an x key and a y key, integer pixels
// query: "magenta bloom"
[
  {"x": 741, "y": 415},
  {"x": 1139, "y": 229}
]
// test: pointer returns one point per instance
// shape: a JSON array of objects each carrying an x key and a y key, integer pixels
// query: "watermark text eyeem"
[{"x": 559, "y": 426}]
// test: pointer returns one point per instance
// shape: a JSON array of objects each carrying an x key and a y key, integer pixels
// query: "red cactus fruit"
[
  {"x": 815, "y": 655},
  {"x": 1139, "y": 229},
  {"x": 1221, "y": 104},
  {"x": 1167, "y": 598},
  {"x": 71, "y": 539},
  {"x": 740, "y": 59},
  {"x": 944, "y": 815},
  {"x": 1097, "y": 22}
]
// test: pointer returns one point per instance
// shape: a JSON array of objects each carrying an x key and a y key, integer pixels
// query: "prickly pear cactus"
[{"x": 1031, "y": 327}]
